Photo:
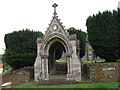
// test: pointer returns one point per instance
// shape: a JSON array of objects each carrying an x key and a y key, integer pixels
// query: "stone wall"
[
  {"x": 19, "y": 76},
  {"x": 109, "y": 71}
]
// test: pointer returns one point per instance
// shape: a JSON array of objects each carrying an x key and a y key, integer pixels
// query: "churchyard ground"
[{"x": 88, "y": 85}]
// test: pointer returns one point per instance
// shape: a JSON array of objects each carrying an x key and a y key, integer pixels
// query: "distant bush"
[
  {"x": 104, "y": 34},
  {"x": 21, "y": 48}
]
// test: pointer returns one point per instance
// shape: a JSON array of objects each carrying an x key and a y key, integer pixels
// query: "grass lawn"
[
  {"x": 61, "y": 62},
  {"x": 93, "y": 61},
  {"x": 90, "y": 85}
]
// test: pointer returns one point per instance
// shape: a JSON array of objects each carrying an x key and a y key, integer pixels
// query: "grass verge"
[
  {"x": 88, "y": 85},
  {"x": 93, "y": 61}
]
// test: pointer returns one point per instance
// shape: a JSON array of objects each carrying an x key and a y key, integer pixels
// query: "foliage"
[
  {"x": 59, "y": 51},
  {"x": 104, "y": 34},
  {"x": 82, "y": 37},
  {"x": 6, "y": 67},
  {"x": 21, "y": 48},
  {"x": 72, "y": 86},
  {"x": 0, "y": 56},
  {"x": 63, "y": 62}
]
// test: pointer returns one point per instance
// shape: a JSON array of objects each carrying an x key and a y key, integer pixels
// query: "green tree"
[
  {"x": 82, "y": 37},
  {"x": 0, "y": 56},
  {"x": 103, "y": 34},
  {"x": 21, "y": 48}
]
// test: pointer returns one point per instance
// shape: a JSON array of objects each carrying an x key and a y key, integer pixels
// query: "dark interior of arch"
[{"x": 55, "y": 53}]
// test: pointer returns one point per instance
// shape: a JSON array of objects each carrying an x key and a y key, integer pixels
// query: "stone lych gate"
[{"x": 46, "y": 48}]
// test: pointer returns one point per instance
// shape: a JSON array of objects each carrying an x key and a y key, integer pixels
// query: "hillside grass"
[
  {"x": 93, "y": 61},
  {"x": 88, "y": 85},
  {"x": 63, "y": 62},
  {"x": 96, "y": 61}
]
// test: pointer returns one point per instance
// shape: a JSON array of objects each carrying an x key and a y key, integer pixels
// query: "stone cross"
[{"x": 54, "y": 5}]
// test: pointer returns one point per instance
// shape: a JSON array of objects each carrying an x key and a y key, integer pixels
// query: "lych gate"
[{"x": 57, "y": 37}]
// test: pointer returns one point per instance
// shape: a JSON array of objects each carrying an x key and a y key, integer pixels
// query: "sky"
[{"x": 35, "y": 15}]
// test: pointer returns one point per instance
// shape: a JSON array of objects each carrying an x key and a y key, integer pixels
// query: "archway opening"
[{"x": 57, "y": 61}]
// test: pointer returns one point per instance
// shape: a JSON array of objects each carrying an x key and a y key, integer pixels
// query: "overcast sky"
[{"x": 36, "y": 14}]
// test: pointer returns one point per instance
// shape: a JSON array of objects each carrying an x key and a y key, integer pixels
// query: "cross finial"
[{"x": 54, "y": 5}]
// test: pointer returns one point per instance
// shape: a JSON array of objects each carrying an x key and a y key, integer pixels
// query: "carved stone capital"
[
  {"x": 73, "y": 37},
  {"x": 68, "y": 55},
  {"x": 39, "y": 40}
]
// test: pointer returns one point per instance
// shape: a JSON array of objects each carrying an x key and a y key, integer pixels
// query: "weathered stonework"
[
  {"x": 57, "y": 34},
  {"x": 109, "y": 71},
  {"x": 89, "y": 52},
  {"x": 19, "y": 76}
]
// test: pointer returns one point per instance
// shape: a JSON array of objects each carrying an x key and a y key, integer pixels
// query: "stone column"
[
  {"x": 45, "y": 75},
  {"x": 46, "y": 68},
  {"x": 76, "y": 63},
  {"x": 43, "y": 67},
  {"x": 69, "y": 67},
  {"x": 37, "y": 64}
]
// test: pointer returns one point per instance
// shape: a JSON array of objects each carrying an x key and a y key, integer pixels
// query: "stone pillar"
[
  {"x": 46, "y": 68},
  {"x": 37, "y": 65},
  {"x": 69, "y": 67},
  {"x": 45, "y": 74},
  {"x": 47, "y": 77},
  {"x": 76, "y": 63},
  {"x": 43, "y": 67}
]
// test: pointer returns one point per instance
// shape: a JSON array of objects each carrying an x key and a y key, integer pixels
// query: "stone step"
[{"x": 55, "y": 80}]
